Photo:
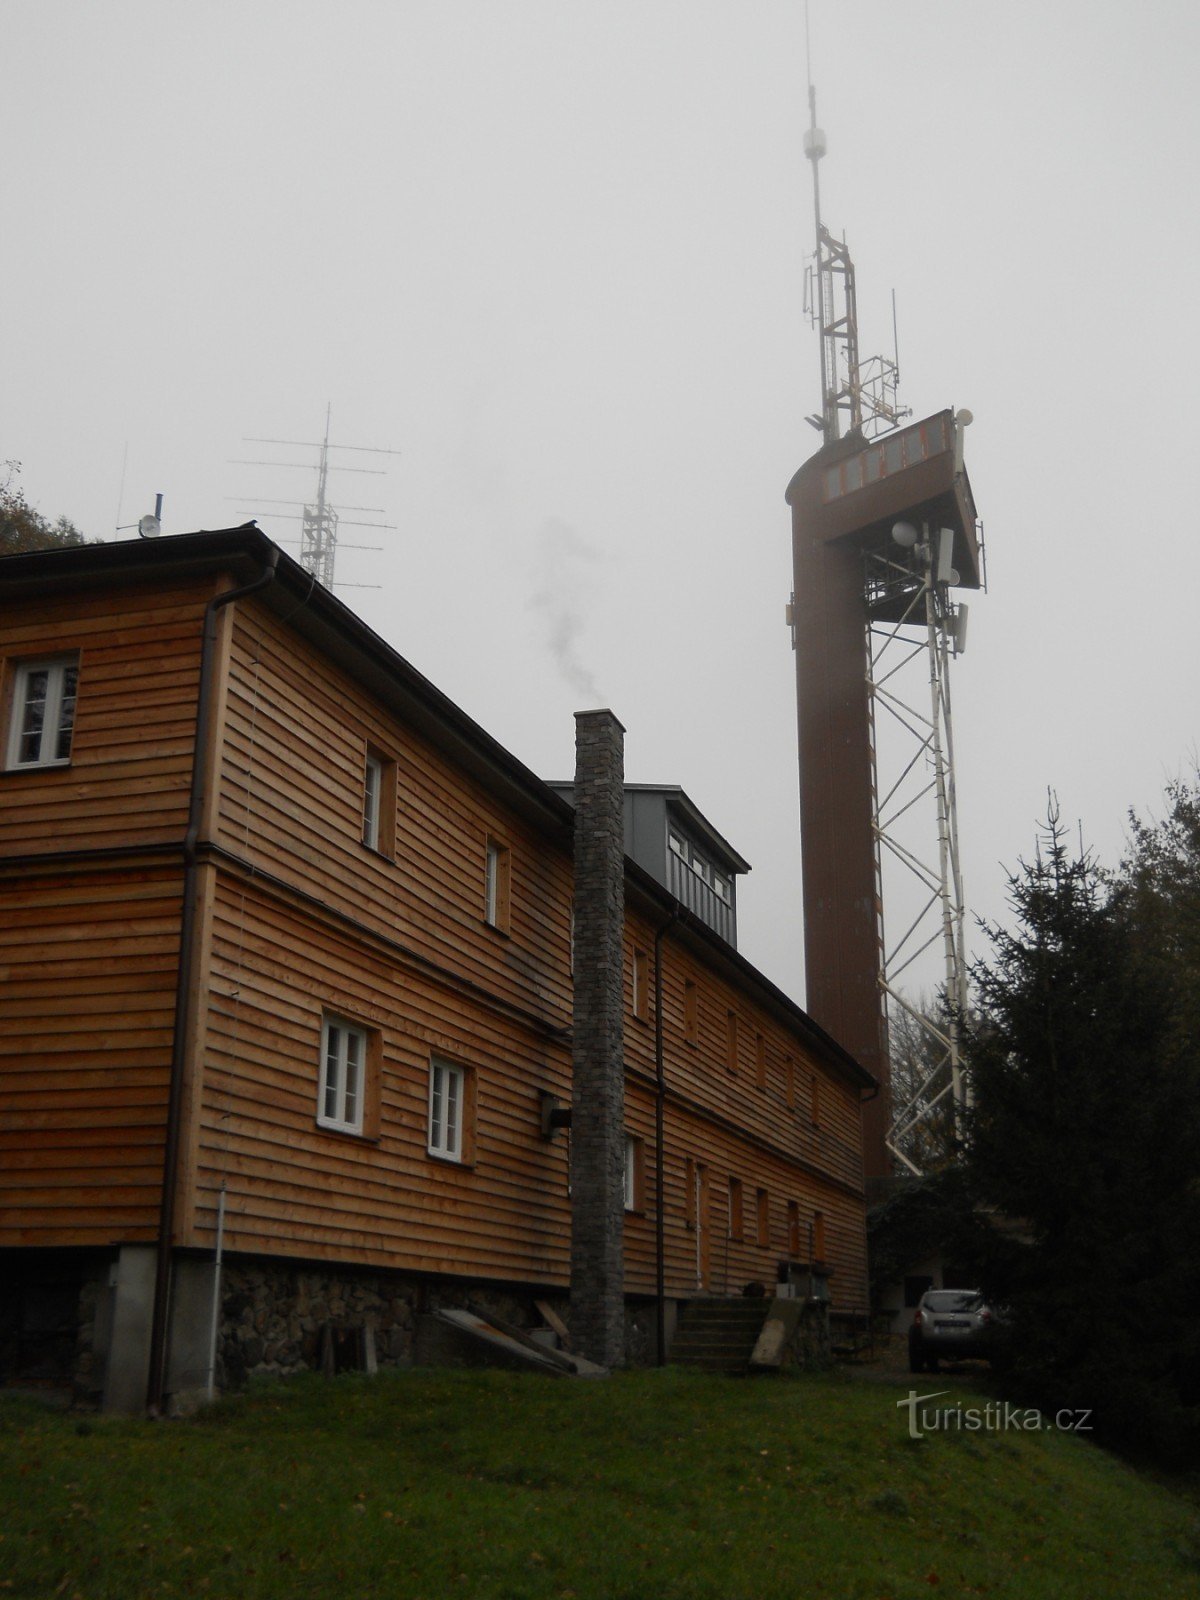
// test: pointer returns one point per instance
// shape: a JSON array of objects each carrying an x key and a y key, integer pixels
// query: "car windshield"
[{"x": 952, "y": 1300}]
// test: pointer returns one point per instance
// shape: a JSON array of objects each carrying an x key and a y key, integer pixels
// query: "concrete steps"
[{"x": 718, "y": 1335}]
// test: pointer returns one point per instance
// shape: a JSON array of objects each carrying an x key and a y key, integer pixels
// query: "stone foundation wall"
[
  {"x": 273, "y": 1315},
  {"x": 273, "y": 1320},
  {"x": 810, "y": 1347}
]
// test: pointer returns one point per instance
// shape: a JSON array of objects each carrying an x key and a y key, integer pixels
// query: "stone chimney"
[{"x": 598, "y": 1100}]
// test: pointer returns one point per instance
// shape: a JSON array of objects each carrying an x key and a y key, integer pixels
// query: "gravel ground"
[{"x": 888, "y": 1363}]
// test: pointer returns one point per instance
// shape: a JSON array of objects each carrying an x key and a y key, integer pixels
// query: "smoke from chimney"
[{"x": 561, "y": 600}]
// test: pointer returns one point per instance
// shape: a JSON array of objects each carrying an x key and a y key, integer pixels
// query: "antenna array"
[
  {"x": 319, "y": 521},
  {"x": 864, "y": 392}
]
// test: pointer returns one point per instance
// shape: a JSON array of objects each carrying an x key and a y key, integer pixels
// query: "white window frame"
[
  {"x": 496, "y": 885},
  {"x": 632, "y": 1158},
  {"x": 705, "y": 869},
  {"x": 447, "y": 1109},
  {"x": 372, "y": 801},
  {"x": 491, "y": 883},
  {"x": 56, "y": 668},
  {"x": 343, "y": 1077}
]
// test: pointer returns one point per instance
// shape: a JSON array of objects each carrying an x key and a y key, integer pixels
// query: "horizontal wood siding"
[
  {"x": 298, "y": 731},
  {"x": 700, "y": 1072},
  {"x": 87, "y": 1005},
  {"x": 299, "y": 1189},
  {"x": 297, "y": 736},
  {"x": 131, "y": 755},
  {"x": 734, "y": 1261},
  {"x": 394, "y": 940}
]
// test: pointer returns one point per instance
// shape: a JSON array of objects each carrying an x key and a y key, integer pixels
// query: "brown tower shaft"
[
  {"x": 845, "y": 502},
  {"x": 841, "y": 911}
]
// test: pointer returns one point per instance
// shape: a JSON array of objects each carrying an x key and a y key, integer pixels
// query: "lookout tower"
[{"x": 884, "y": 533}]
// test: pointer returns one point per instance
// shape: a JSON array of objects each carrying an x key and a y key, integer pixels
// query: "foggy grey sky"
[{"x": 554, "y": 252}]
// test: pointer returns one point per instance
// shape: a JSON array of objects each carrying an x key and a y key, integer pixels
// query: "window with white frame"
[
  {"x": 447, "y": 1109},
  {"x": 343, "y": 1076},
  {"x": 43, "y": 712},
  {"x": 495, "y": 887},
  {"x": 633, "y": 1172},
  {"x": 379, "y": 803},
  {"x": 706, "y": 870},
  {"x": 372, "y": 796}
]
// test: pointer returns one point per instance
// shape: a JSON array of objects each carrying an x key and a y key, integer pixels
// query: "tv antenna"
[
  {"x": 885, "y": 533},
  {"x": 862, "y": 392},
  {"x": 319, "y": 520}
]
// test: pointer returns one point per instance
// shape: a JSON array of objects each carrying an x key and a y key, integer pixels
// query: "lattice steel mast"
[
  {"x": 319, "y": 521},
  {"x": 878, "y": 603}
]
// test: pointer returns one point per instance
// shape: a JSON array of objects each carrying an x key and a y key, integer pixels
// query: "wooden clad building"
[{"x": 286, "y": 948}]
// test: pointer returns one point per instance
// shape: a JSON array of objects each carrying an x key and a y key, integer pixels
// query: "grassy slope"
[{"x": 651, "y": 1484}]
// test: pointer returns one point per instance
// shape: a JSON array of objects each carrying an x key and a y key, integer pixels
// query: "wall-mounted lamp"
[{"x": 554, "y": 1114}]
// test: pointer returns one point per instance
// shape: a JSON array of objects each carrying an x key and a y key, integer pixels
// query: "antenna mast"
[
  {"x": 884, "y": 530},
  {"x": 849, "y": 387},
  {"x": 319, "y": 521},
  {"x": 318, "y": 528},
  {"x": 833, "y": 308}
]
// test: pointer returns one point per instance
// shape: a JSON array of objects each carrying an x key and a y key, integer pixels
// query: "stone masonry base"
[{"x": 61, "y": 1323}]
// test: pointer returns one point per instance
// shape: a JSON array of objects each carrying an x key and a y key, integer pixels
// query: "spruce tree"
[{"x": 1085, "y": 1136}]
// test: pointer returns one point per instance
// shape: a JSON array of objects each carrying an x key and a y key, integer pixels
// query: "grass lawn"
[{"x": 651, "y": 1484}]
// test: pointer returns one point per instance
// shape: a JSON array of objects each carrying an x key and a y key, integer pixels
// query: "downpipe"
[
  {"x": 660, "y": 1095},
  {"x": 201, "y": 761}
]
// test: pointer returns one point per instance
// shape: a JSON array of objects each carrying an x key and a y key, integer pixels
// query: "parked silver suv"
[{"x": 951, "y": 1323}]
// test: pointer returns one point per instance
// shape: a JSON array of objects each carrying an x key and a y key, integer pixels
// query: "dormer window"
[
  {"x": 691, "y": 855},
  {"x": 676, "y": 844}
]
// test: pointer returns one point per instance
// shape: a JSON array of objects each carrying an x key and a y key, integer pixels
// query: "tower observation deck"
[
  {"x": 851, "y": 575},
  {"x": 884, "y": 534}
]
